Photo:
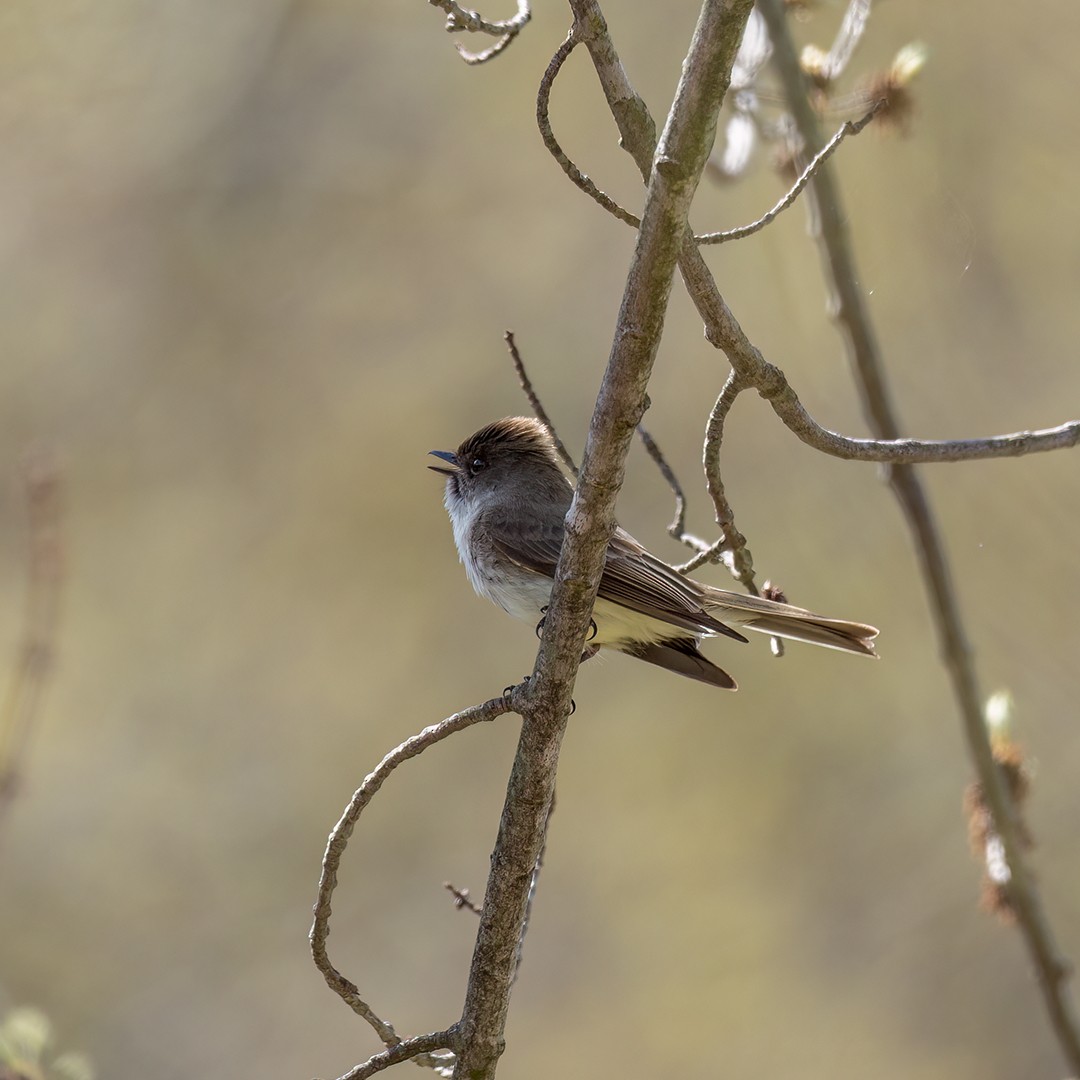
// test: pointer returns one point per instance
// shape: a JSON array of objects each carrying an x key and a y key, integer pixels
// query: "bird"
[{"x": 507, "y": 498}]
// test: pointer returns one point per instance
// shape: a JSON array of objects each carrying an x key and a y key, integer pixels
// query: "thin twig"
[
  {"x": 711, "y": 553},
  {"x": 742, "y": 563},
  {"x": 543, "y": 121},
  {"x": 898, "y": 451},
  {"x": 462, "y": 20},
  {"x": 534, "y": 400},
  {"x": 409, "y": 1050},
  {"x": 733, "y": 544},
  {"x": 482, "y": 57},
  {"x": 581, "y": 180},
  {"x": 850, "y": 127},
  {"x": 677, "y": 528},
  {"x": 339, "y": 838},
  {"x": 854, "y": 321},
  {"x": 462, "y": 899},
  {"x": 41, "y": 616}
]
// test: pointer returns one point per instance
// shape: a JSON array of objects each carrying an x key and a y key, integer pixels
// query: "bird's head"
[{"x": 512, "y": 460}]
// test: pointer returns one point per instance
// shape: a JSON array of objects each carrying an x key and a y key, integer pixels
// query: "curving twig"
[
  {"x": 732, "y": 542},
  {"x": 461, "y": 19},
  {"x": 543, "y": 121},
  {"x": 421, "y": 1049},
  {"x": 677, "y": 528},
  {"x": 484, "y": 55},
  {"x": 850, "y": 127},
  {"x": 582, "y": 181},
  {"x": 712, "y": 553},
  {"x": 742, "y": 563},
  {"x": 339, "y": 838}
]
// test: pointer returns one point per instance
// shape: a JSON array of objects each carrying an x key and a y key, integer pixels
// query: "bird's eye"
[{"x": 476, "y": 465}]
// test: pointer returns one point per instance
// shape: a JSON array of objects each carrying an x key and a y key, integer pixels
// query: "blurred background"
[{"x": 258, "y": 259}]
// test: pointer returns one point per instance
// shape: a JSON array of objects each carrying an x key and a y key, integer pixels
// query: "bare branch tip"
[
  {"x": 463, "y": 20},
  {"x": 462, "y": 899},
  {"x": 534, "y": 401},
  {"x": 472, "y": 59}
]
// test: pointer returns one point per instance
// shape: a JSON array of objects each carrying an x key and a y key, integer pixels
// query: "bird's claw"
[
  {"x": 508, "y": 691},
  {"x": 540, "y": 626}
]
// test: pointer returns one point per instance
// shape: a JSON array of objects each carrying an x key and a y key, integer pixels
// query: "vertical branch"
[
  {"x": 679, "y": 161},
  {"x": 861, "y": 343}
]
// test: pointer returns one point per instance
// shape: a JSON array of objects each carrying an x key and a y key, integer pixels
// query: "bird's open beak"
[{"x": 448, "y": 456}]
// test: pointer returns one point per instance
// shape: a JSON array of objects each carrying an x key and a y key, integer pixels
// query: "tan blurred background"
[{"x": 257, "y": 261}]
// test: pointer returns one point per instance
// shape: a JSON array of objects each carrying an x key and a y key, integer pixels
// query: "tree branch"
[
  {"x": 409, "y": 1050},
  {"x": 742, "y": 565},
  {"x": 850, "y": 127},
  {"x": 461, "y": 19},
  {"x": 860, "y": 340},
  {"x": 620, "y": 404},
  {"x": 638, "y": 137},
  {"x": 543, "y": 122},
  {"x": 581, "y": 180},
  {"x": 339, "y": 838}
]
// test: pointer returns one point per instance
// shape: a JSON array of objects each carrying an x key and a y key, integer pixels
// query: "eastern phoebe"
[{"x": 507, "y": 498}]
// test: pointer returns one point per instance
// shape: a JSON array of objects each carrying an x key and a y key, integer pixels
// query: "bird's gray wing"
[
  {"x": 639, "y": 580},
  {"x": 632, "y": 577}
]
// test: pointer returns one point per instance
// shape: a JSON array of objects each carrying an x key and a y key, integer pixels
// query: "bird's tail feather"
[
  {"x": 680, "y": 655},
  {"x": 832, "y": 633},
  {"x": 788, "y": 621}
]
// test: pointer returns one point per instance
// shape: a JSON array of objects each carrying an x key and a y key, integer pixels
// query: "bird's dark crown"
[{"x": 513, "y": 435}]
